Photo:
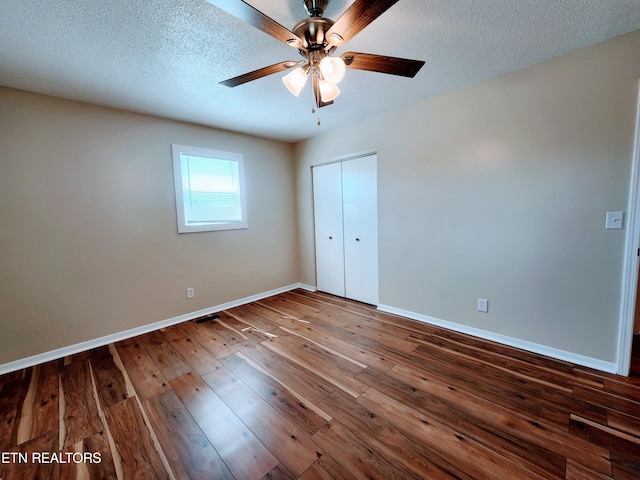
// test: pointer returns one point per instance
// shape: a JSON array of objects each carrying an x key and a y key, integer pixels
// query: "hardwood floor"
[{"x": 306, "y": 385}]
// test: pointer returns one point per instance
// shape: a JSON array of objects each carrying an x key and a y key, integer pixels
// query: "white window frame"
[{"x": 178, "y": 151}]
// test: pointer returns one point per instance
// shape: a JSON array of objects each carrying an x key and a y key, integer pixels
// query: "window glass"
[{"x": 209, "y": 189}]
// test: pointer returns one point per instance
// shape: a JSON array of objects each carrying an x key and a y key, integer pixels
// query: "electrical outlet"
[
  {"x": 190, "y": 293},
  {"x": 483, "y": 305}
]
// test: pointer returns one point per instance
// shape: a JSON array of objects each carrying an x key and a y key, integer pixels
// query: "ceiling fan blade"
[
  {"x": 380, "y": 63},
  {"x": 360, "y": 14},
  {"x": 255, "y": 17},
  {"x": 262, "y": 72}
]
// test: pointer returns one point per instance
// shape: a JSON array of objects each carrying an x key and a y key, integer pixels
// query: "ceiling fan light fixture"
[
  {"x": 328, "y": 91},
  {"x": 332, "y": 69},
  {"x": 295, "y": 80},
  {"x": 316, "y": 39}
]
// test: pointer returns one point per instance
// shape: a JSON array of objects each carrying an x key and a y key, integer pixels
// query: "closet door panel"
[
  {"x": 360, "y": 213},
  {"x": 327, "y": 204}
]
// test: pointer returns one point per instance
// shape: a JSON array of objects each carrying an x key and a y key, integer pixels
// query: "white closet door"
[
  {"x": 327, "y": 201},
  {"x": 360, "y": 212}
]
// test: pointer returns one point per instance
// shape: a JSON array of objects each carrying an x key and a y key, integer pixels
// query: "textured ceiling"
[{"x": 166, "y": 57}]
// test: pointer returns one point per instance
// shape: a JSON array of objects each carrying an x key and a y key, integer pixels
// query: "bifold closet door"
[
  {"x": 327, "y": 201},
  {"x": 360, "y": 220},
  {"x": 346, "y": 228}
]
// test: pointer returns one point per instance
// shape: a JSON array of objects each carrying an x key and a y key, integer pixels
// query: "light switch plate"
[{"x": 614, "y": 220}]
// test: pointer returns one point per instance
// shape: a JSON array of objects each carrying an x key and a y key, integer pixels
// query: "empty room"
[{"x": 319, "y": 239}]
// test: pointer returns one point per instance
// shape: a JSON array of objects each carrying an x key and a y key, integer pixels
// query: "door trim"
[
  {"x": 630, "y": 268},
  {"x": 347, "y": 156}
]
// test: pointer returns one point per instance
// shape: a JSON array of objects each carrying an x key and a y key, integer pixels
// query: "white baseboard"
[
  {"x": 582, "y": 360},
  {"x": 310, "y": 288},
  {"x": 116, "y": 337}
]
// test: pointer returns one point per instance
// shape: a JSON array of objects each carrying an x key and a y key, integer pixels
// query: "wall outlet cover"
[{"x": 483, "y": 305}]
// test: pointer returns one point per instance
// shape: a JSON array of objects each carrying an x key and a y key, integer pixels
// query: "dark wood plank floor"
[{"x": 306, "y": 385}]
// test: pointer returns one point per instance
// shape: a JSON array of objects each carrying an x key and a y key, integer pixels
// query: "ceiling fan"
[{"x": 316, "y": 38}]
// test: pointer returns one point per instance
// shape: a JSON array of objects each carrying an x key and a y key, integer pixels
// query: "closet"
[{"x": 346, "y": 228}]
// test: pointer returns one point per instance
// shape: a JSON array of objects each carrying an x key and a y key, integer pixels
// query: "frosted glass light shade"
[
  {"x": 332, "y": 69},
  {"x": 295, "y": 80},
  {"x": 328, "y": 91}
]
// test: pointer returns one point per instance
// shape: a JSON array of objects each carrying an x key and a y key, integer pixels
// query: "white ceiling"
[{"x": 166, "y": 57}]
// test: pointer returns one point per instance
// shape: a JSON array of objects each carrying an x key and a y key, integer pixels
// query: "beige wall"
[
  {"x": 499, "y": 191},
  {"x": 88, "y": 236}
]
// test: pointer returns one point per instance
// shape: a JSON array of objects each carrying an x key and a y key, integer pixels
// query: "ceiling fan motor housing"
[
  {"x": 312, "y": 31},
  {"x": 316, "y": 7}
]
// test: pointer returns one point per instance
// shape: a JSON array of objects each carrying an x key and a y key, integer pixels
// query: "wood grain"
[
  {"x": 302, "y": 413},
  {"x": 308, "y": 385},
  {"x": 221, "y": 330},
  {"x": 11, "y": 395},
  {"x": 39, "y": 411},
  {"x": 190, "y": 349},
  {"x": 139, "y": 458},
  {"x": 34, "y": 467},
  {"x": 251, "y": 317},
  {"x": 209, "y": 339},
  {"x": 287, "y": 442},
  {"x": 391, "y": 441},
  {"x": 104, "y": 469},
  {"x": 515, "y": 423},
  {"x": 623, "y": 422},
  {"x": 145, "y": 375},
  {"x": 278, "y": 473},
  {"x": 612, "y": 401},
  {"x": 244, "y": 454},
  {"x": 624, "y": 468},
  {"x": 326, "y": 370},
  {"x": 110, "y": 383},
  {"x": 576, "y": 471},
  {"x": 454, "y": 446},
  {"x": 170, "y": 363},
  {"x": 326, "y": 468},
  {"x": 507, "y": 391},
  {"x": 431, "y": 398},
  {"x": 81, "y": 416},
  {"x": 312, "y": 333},
  {"x": 355, "y": 456},
  {"x": 189, "y": 452},
  {"x": 267, "y": 314},
  {"x": 288, "y": 308},
  {"x": 360, "y": 335}
]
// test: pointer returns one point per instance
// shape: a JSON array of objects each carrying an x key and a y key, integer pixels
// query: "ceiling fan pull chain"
[{"x": 318, "y": 121}]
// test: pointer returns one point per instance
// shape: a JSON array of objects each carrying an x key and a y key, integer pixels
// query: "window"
[{"x": 209, "y": 189}]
